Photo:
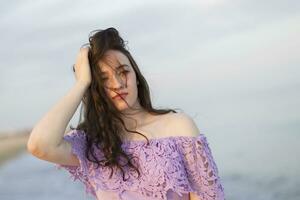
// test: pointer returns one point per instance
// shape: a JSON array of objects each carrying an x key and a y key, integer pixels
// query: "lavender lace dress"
[{"x": 170, "y": 168}]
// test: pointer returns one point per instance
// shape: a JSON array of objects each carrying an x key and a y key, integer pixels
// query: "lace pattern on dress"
[
  {"x": 181, "y": 164},
  {"x": 77, "y": 139}
]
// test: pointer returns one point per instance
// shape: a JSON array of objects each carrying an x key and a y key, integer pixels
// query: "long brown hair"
[{"x": 102, "y": 120}]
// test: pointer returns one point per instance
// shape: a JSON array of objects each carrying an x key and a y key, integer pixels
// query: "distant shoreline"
[{"x": 12, "y": 144}]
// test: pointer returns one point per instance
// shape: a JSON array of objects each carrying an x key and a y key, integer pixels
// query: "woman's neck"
[{"x": 136, "y": 119}]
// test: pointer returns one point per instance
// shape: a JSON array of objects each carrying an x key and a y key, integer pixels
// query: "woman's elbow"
[{"x": 34, "y": 149}]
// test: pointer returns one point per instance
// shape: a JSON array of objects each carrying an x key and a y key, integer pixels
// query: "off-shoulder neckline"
[
  {"x": 160, "y": 139},
  {"x": 152, "y": 140}
]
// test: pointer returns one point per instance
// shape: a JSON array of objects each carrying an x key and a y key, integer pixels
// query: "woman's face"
[{"x": 119, "y": 77}]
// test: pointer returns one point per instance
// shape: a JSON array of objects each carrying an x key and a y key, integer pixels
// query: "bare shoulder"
[{"x": 181, "y": 124}]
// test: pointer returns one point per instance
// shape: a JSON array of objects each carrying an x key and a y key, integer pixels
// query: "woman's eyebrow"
[
  {"x": 118, "y": 68},
  {"x": 122, "y": 66}
]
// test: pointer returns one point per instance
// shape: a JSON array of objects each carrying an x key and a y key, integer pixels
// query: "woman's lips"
[{"x": 123, "y": 96}]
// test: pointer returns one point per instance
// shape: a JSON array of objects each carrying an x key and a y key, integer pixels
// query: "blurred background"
[{"x": 233, "y": 65}]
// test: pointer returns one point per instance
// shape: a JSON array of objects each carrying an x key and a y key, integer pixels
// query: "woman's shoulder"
[{"x": 180, "y": 124}]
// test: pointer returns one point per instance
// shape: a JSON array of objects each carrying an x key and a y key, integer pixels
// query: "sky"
[{"x": 232, "y": 65}]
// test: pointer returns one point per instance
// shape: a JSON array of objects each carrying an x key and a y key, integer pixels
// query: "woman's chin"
[{"x": 122, "y": 106}]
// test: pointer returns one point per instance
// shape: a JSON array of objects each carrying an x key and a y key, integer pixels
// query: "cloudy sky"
[{"x": 232, "y": 65}]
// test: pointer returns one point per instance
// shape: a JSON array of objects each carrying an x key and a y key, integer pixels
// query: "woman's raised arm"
[{"x": 47, "y": 134}]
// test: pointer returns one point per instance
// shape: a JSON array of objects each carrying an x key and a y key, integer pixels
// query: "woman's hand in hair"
[{"x": 82, "y": 68}]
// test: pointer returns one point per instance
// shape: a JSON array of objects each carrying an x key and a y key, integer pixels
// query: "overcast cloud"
[{"x": 232, "y": 65}]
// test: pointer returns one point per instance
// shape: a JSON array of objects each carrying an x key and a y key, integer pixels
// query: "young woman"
[{"x": 123, "y": 148}]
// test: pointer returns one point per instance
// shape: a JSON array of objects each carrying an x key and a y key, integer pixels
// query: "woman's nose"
[{"x": 116, "y": 82}]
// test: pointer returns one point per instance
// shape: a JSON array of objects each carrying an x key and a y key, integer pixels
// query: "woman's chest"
[
  {"x": 158, "y": 163},
  {"x": 159, "y": 128}
]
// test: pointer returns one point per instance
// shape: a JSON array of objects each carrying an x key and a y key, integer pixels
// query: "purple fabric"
[{"x": 170, "y": 167}]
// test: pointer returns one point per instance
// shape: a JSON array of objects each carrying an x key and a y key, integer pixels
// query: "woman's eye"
[{"x": 123, "y": 72}]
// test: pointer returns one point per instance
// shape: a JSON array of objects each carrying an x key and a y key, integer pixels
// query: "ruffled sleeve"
[
  {"x": 201, "y": 169},
  {"x": 77, "y": 140}
]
